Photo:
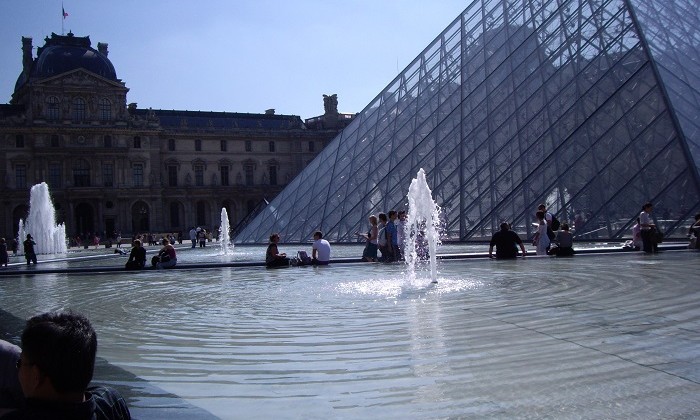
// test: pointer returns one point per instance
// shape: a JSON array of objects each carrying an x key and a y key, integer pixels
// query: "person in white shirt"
[{"x": 321, "y": 250}]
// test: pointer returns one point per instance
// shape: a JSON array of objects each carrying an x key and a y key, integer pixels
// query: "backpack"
[{"x": 555, "y": 223}]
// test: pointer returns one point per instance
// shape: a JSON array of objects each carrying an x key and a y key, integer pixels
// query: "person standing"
[
  {"x": 382, "y": 242},
  {"x": 320, "y": 250},
  {"x": 541, "y": 240},
  {"x": 506, "y": 242},
  {"x": 193, "y": 237},
  {"x": 648, "y": 227},
  {"x": 369, "y": 254},
  {"x": 637, "y": 236},
  {"x": 401, "y": 234},
  {"x": 29, "y": 253},
  {"x": 392, "y": 238},
  {"x": 4, "y": 257}
]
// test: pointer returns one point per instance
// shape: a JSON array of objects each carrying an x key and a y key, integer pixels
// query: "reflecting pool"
[{"x": 587, "y": 337}]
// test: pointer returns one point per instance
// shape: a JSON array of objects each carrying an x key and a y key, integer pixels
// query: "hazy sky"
[{"x": 238, "y": 55}]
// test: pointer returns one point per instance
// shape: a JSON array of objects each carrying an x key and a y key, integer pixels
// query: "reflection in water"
[{"x": 523, "y": 338}]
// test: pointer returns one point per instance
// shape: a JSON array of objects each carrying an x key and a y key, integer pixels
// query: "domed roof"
[{"x": 61, "y": 54}]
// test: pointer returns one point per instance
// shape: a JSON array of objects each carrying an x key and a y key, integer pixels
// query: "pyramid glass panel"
[{"x": 589, "y": 106}]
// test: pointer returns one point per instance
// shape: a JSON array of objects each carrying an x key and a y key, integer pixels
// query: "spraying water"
[
  {"x": 224, "y": 235},
  {"x": 50, "y": 238},
  {"x": 422, "y": 226}
]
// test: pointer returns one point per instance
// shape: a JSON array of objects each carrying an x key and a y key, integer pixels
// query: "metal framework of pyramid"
[{"x": 589, "y": 106}]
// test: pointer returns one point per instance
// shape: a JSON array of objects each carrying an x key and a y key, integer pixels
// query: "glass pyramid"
[{"x": 589, "y": 106}]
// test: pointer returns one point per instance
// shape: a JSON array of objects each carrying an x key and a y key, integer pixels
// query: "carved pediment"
[{"x": 81, "y": 78}]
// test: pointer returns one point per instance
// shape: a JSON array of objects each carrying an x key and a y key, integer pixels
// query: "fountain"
[
  {"x": 225, "y": 234},
  {"x": 50, "y": 238},
  {"x": 422, "y": 225}
]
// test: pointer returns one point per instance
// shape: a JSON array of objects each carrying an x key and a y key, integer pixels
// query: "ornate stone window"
[
  {"x": 79, "y": 110},
  {"x": 108, "y": 174},
  {"x": 55, "y": 175},
  {"x": 53, "y": 108},
  {"x": 272, "y": 169},
  {"x": 199, "y": 175},
  {"x": 224, "y": 146},
  {"x": 21, "y": 176},
  {"x": 248, "y": 146},
  {"x": 137, "y": 170},
  {"x": 225, "y": 182},
  {"x": 81, "y": 173},
  {"x": 172, "y": 175},
  {"x": 105, "y": 108}
]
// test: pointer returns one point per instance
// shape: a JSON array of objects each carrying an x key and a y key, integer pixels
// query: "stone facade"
[{"x": 115, "y": 167}]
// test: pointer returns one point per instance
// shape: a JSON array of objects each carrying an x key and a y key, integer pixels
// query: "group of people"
[
  {"x": 551, "y": 238},
  {"x": 29, "y": 251},
  {"x": 320, "y": 253},
  {"x": 199, "y": 235},
  {"x": 49, "y": 376},
  {"x": 166, "y": 258},
  {"x": 385, "y": 236}
]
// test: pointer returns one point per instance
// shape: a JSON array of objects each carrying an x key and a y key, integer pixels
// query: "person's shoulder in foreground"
[{"x": 55, "y": 368}]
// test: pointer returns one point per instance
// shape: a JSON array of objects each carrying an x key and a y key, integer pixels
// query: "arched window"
[
  {"x": 79, "y": 109},
  {"x": 81, "y": 173},
  {"x": 52, "y": 108}
]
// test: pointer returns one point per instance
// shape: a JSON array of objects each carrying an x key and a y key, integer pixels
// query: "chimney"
[
  {"x": 270, "y": 111},
  {"x": 27, "y": 54},
  {"x": 102, "y": 48}
]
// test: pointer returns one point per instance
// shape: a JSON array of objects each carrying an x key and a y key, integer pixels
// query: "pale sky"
[{"x": 238, "y": 55}]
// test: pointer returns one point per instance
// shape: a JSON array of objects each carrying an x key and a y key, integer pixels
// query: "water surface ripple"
[{"x": 586, "y": 337}]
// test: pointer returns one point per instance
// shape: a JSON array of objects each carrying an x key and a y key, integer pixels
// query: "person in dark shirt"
[
  {"x": 29, "y": 253},
  {"x": 506, "y": 242},
  {"x": 55, "y": 368},
  {"x": 137, "y": 257}
]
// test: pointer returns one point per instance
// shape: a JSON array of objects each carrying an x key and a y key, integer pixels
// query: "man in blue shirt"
[{"x": 392, "y": 238}]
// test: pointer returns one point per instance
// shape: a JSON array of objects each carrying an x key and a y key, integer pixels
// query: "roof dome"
[{"x": 61, "y": 54}]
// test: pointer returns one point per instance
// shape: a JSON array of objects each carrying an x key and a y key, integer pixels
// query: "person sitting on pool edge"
[
  {"x": 137, "y": 257},
  {"x": 273, "y": 257},
  {"x": 506, "y": 242},
  {"x": 320, "y": 250},
  {"x": 55, "y": 368},
  {"x": 166, "y": 256}
]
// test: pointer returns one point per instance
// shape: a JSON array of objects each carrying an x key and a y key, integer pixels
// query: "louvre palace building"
[{"x": 112, "y": 166}]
